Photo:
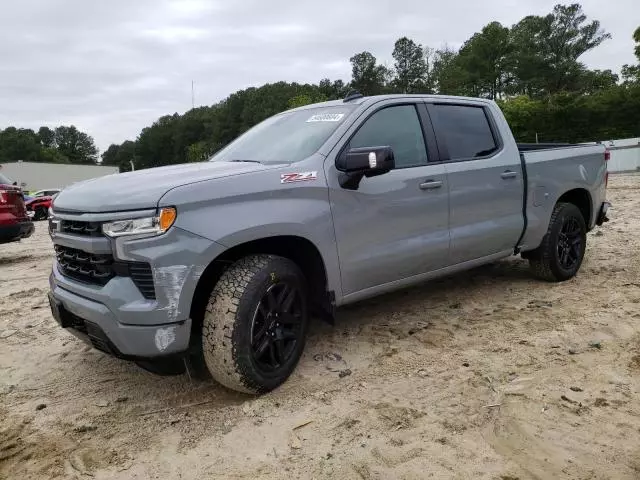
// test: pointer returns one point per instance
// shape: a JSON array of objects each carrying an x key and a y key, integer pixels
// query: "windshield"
[
  {"x": 285, "y": 138},
  {"x": 4, "y": 180}
]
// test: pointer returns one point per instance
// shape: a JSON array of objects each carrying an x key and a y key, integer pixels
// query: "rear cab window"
[{"x": 464, "y": 130}]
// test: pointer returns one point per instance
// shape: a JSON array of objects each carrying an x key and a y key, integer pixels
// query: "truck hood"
[{"x": 143, "y": 189}]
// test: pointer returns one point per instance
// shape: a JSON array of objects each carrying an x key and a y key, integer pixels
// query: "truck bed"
[{"x": 550, "y": 171}]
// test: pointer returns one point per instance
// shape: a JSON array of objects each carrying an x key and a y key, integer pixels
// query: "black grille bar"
[
  {"x": 98, "y": 269},
  {"x": 77, "y": 227},
  {"x": 83, "y": 266},
  {"x": 142, "y": 276}
]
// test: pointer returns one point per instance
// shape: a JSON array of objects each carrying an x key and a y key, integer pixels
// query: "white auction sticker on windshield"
[{"x": 326, "y": 117}]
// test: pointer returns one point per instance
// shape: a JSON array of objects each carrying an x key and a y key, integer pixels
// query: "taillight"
[
  {"x": 3, "y": 196},
  {"x": 607, "y": 157}
]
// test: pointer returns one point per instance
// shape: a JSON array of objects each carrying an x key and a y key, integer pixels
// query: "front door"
[
  {"x": 395, "y": 225},
  {"x": 485, "y": 182}
]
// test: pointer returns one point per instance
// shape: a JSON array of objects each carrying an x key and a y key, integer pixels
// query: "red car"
[
  {"x": 14, "y": 220},
  {"x": 38, "y": 207}
]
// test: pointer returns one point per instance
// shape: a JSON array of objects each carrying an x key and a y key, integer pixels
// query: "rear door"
[{"x": 485, "y": 181}]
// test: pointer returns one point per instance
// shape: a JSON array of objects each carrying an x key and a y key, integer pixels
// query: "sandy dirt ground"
[{"x": 489, "y": 374}]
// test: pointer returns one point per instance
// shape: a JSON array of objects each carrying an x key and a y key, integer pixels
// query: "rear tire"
[
  {"x": 560, "y": 255},
  {"x": 255, "y": 324}
]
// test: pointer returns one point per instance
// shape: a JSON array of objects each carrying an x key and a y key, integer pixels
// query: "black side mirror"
[{"x": 364, "y": 162}]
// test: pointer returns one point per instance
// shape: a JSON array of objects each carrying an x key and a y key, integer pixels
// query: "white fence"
[
  {"x": 625, "y": 154},
  {"x": 39, "y": 176}
]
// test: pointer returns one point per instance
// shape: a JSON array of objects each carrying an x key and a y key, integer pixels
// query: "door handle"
[
  {"x": 509, "y": 174},
  {"x": 430, "y": 185}
]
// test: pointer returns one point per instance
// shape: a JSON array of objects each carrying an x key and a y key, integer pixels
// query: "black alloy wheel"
[
  {"x": 276, "y": 326},
  {"x": 560, "y": 255},
  {"x": 569, "y": 243},
  {"x": 255, "y": 323}
]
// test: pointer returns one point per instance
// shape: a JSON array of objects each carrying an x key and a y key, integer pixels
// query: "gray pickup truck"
[{"x": 216, "y": 267}]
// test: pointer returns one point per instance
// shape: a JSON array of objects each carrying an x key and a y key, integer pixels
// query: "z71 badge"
[{"x": 298, "y": 177}]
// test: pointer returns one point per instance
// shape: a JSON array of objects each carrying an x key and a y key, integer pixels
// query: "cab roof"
[{"x": 365, "y": 101}]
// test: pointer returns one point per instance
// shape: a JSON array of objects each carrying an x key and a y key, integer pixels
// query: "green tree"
[
  {"x": 19, "y": 144},
  {"x": 110, "y": 154},
  {"x": 52, "y": 155},
  {"x": 299, "y": 101},
  {"x": 529, "y": 65},
  {"x": 120, "y": 155},
  {"x": 410, "y": 67},
  {"x": 126, "y": 155},
  {"x": 332, "y": 90},
  {"x": 631, "y": 73},
  {"x": 486, "y": 59},
  {"x": 198, "y": 152},
  {"x": 595, "y": 80},
  {"x": 547, "y": 50},
  {"x": 26, "y": 145},
  {"x": 368, "y": 77},
  {"x": 77, "y": 146},
  {"x": 573, "y": 117},
  {"x": 449, "y": 78},
  {"x": 47, "y": 137}
]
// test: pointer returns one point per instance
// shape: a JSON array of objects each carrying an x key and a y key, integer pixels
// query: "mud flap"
[{"x": 602, "y": 214}]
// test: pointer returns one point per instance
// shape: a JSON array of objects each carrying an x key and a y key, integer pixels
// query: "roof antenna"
[{"x": 352, "y": 95}]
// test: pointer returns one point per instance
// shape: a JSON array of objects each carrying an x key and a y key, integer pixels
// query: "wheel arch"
[
  {"x": 296, "y": 248},
  {"x": 581, "y": 198}
]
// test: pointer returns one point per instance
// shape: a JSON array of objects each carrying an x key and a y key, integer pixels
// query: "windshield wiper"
[{"x": 248, "y": 161}]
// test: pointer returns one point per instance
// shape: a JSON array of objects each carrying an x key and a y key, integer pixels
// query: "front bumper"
[
  {"x": 116, "y": 317},
  {"x": 93, "y": 323}
]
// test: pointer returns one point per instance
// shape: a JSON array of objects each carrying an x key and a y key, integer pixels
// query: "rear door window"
[{"x": 466, "y": 131}]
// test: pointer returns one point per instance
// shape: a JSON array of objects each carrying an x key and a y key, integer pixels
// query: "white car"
[{"x": 45, "y": 193}]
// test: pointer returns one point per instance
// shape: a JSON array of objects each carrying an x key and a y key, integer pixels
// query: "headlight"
[{"x": 146, "y": 226}]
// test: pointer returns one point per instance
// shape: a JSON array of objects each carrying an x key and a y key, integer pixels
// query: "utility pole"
[{"x": 193, "y": 102}]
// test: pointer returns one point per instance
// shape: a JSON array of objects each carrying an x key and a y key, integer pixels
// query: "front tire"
[
  {"x": 560, "y": 255},
  {"x": 255, "y": 324}
]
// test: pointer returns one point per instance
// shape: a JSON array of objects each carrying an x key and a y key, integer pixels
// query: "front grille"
[
  {"x": 99, "y": 269},
  {"x": 77, "y": 227},
  {"x": 85, "y": 267},
  {"x": 142, "y": 276}
]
